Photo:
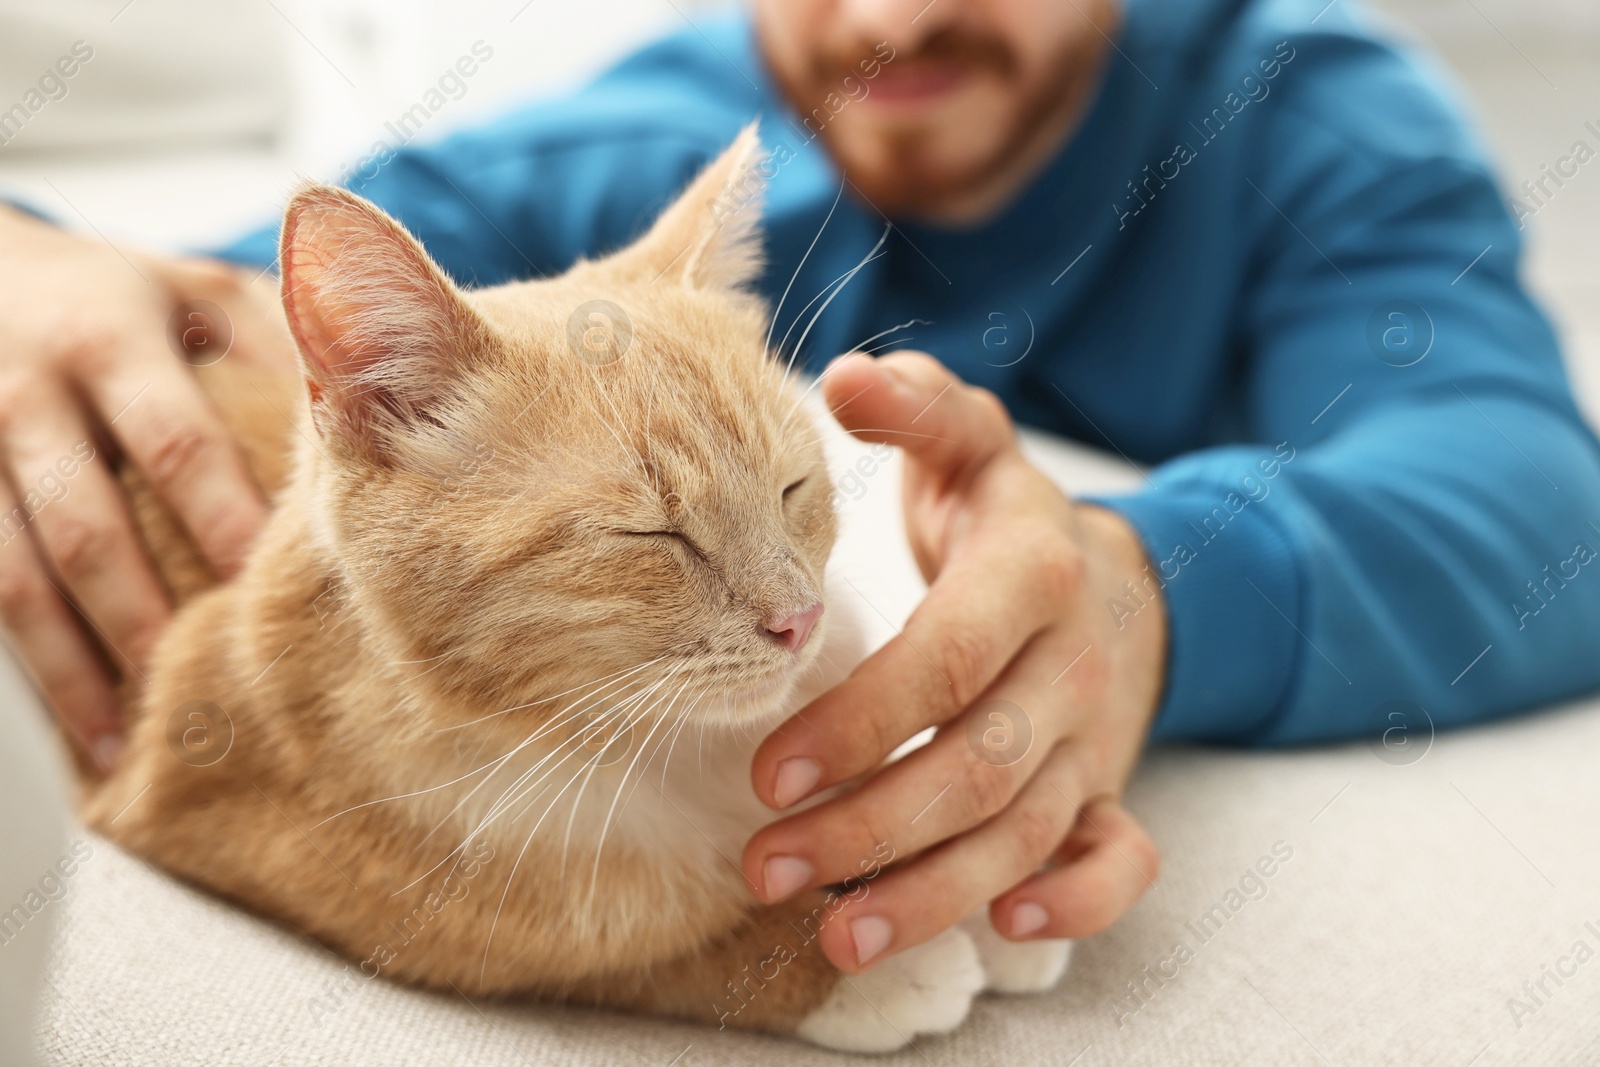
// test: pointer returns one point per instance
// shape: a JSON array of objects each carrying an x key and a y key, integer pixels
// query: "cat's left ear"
[{"x": 710, "y": 238}]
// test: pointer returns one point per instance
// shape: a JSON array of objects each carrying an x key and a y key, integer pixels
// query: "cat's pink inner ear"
[
  {"x": 710, "y": 237},
  {"x": 382, "y": 331}
]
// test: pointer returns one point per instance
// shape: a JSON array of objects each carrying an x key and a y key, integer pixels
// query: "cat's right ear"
[{"x": 383, "y": 333}]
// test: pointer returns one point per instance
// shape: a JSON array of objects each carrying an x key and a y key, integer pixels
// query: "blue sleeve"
[{"x": 1419, "y": 521}]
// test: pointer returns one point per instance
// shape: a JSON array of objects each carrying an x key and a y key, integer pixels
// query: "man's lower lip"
[{"x": 919, "y": 88}]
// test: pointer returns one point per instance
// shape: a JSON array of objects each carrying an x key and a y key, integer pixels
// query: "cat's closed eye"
[
  {"x": 664, "y": 536},
  {"x": 789, "y": 489}
]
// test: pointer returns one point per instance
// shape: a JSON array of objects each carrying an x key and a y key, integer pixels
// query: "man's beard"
[{"x": 904, "y": 174}]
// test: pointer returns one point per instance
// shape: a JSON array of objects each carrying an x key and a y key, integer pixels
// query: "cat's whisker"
[
  {"x": 830, "y": 291},
  {"x": 623, "y": 711},
  {"x": 897, "y": 433},
  {"x": 777, "y": 311},
  {"x": 862, "y": 345},
  {"x": 442, "y": 659},
  {"x": 430, "y": 659},
  {"x": 625, "y": 672},
  {"x": 851, "y": 433},
  {"x": 489, "y": 940},
  {"x": 799, "y": 346},
  {"x": 577, "y": 801},
  {"x": 684, "y": 721},
  {"x": 801, "y": 399},
  {"x": 618, "y": 711},
  {"x": 783, "y": 342},
  {"x": 670, "y": 734},
  {"x": 414, "y": 793},
  {"x": 605, "y": 825},
  {"x": 669, "y": 738},
  {"x": 435, "y": 788},
  {"x": 700, "y": 752},
  {"x": 500, "y": 804},
  {"x": 550, "y": 728},
  {"x": 678, "y": 726},
  {"x": 529, "y": 740},
  {"x": 460, "y": 850},
  {"x": 644, "y": 467},
  {"x": 483, "y": 968},
  {"x": 862, "y": 348},
  {"x": 875, "y": 349},
  {"x": 649, "y": 410}
]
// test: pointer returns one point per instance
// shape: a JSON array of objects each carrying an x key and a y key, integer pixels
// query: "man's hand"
[
  {"x": 1041, "y": 701},
  {"x": 85, "y": 365}
]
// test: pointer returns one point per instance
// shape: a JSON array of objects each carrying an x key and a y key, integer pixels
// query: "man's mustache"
[{"x": 952, "y": 46}]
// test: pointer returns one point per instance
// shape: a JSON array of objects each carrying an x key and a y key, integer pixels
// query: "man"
[{"x": 1239, "y": 240}]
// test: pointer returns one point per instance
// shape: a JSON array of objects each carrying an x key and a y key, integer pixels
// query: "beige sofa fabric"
[{"x": 33, "y": 840}]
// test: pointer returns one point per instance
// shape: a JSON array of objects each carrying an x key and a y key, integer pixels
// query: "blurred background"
[
  {"x": 208, "y": 110},
  {"x": 194, "y": 117}
]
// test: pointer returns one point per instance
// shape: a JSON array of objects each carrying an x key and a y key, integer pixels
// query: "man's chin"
[
  {"x": 914, "y": 190},
  {"x": 912, "y": 164}
]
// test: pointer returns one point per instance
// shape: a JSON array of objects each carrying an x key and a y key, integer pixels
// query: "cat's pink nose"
[{"x": 793, "y": 631}]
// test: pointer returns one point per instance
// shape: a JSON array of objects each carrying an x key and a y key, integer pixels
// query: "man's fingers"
[
  {"x": 249, "y": 300},
  {"x": 910, "y": 400},
  {"x": 80, "y": 518},
  {"x": 947, "y": 787},
  {"x": 998, "y": 581},
  {"x": 989, "y": 602},
  {"x": 49, "y": 638},
  {"x": 1107, "y": 863},
  {"x": 170, "y": 430},
  {"x": 910, "y": 904}
]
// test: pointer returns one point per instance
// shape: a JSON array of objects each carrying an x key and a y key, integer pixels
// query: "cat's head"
[{"x": 599, "y": 482}]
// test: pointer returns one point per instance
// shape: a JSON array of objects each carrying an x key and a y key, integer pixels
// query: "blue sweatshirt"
[{"x": 1272, "y": 265}]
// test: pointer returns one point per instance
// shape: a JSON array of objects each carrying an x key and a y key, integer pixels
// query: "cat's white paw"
[
  {"x": 926, "y": 989},
  {"x": 1016, "y": 966}
]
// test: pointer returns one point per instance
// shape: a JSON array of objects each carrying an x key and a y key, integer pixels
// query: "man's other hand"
[
  {"x": 86, "y": 367},
  {"x": 1041, "y": 698}
]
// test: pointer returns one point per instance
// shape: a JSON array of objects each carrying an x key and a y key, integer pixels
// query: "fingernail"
[
  {"x": 785, "y": 875},
  {"x": 106, "y": 749},
  {"x": 1028, "y": 917},
  {"x": 871, "y": 933},
  {"x": 797, "y": 777}
]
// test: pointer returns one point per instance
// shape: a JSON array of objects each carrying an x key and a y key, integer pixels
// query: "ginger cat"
[{"x": 479, "y": 711}]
